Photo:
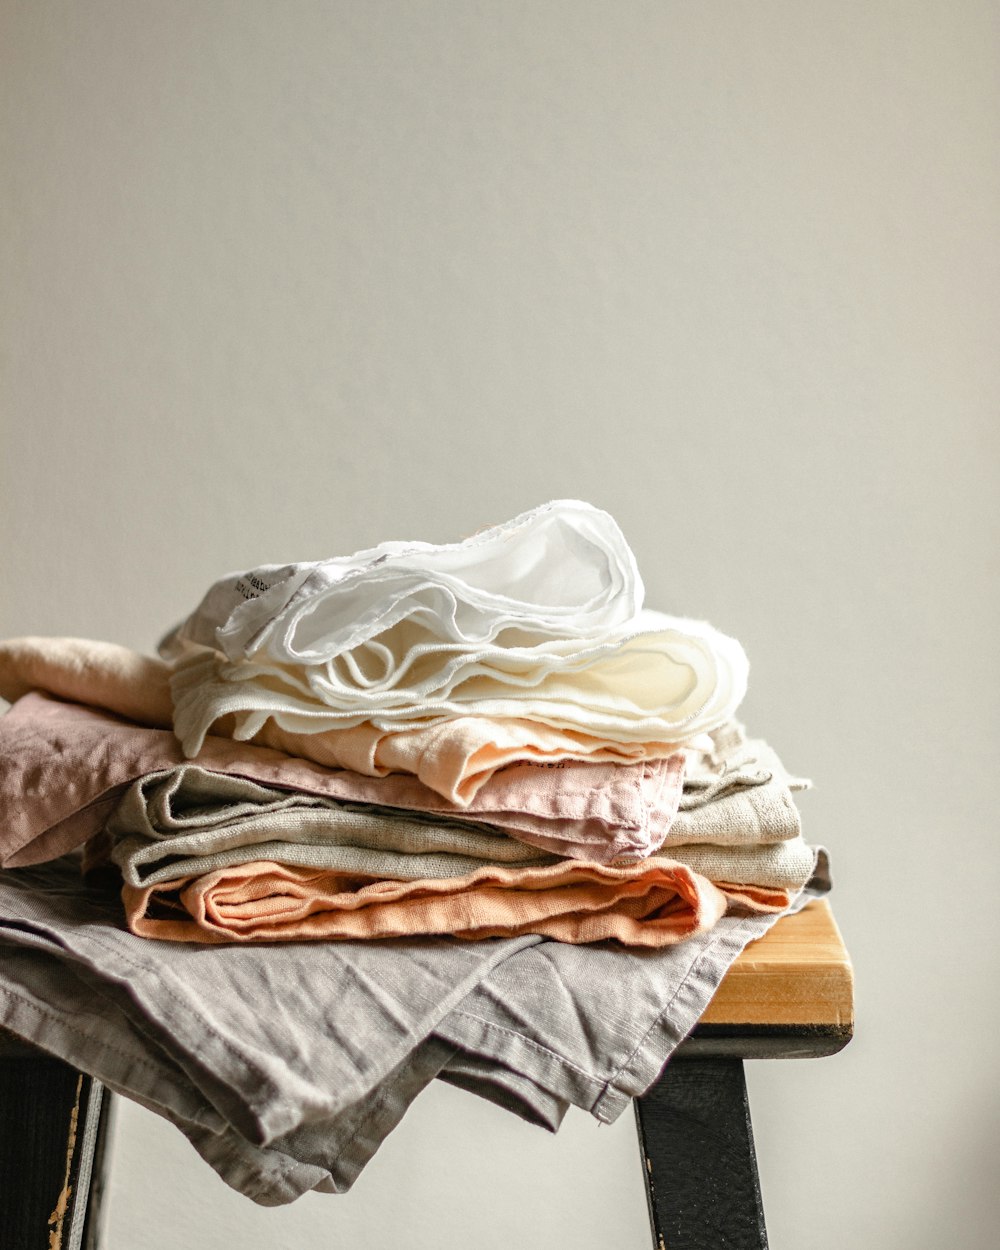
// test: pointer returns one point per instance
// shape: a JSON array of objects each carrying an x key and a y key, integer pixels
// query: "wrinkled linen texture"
[
  {"x": 66, "y": 767},
  {"x": 652, "y": 904},
  {"x": 299, "y": 1096},
  {"x": 529, "y": 746},
  {"x": 454, "y": 757},
  {"x": 662, "y": 679},
  {"x": 187, "y": 821}
]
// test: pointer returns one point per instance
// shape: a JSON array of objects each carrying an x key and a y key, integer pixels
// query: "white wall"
[{"x": 284, "y": 279}]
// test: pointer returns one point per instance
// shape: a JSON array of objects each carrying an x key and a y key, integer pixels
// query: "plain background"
[{"x": 281, "y": 280}]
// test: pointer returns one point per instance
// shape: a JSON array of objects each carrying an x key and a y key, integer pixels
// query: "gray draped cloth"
[{"x": 286, "y": 1065}]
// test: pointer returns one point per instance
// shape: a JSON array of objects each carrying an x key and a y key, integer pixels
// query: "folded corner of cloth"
[
  {"x": 471, "y": 591},
  {"x": 83, "y": 670},
  {"x": 651, "y": 904}
]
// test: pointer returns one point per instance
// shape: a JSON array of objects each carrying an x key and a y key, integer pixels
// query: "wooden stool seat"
[{"x": 789, "y": 995}]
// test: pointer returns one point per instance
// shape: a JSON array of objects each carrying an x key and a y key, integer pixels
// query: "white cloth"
[
  {"x": 539, "y": 619},
  {"x": 666, "y": 681},
  {"x": 563, "y": 570}
]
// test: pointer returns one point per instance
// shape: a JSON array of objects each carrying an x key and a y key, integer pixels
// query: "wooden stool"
[{"x": 790, "y": 995}]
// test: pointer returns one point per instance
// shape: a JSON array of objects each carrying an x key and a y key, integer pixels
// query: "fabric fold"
[
  {"x": 652, "y": 904},
  {"x": 188, "y": 822},
  {"x": 454, "y": 757},
  {"x": 660, "y": 679},
  {"x": 66, "y": 767},
  {"x": 561, "y": 570}
]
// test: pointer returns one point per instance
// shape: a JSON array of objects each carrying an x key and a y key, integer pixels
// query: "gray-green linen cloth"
[{"x": 186, "y": 821}]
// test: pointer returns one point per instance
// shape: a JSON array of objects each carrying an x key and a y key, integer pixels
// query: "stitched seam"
[
  {"x": 61, "y": 1021},
  {"x": 527, "y": 1041},
  {"x": 664, "y": 1013}
]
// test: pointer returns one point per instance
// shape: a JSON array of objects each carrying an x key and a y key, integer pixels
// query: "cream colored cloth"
[
  {"x": 661, "y": 679},
  {"x": 540, "y": 618},
  {"x": 559, "y": 571},
  {"x": 650, "y": 905}
]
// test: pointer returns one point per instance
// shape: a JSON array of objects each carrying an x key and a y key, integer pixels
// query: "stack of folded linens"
[{"x": 486, "y": 740}]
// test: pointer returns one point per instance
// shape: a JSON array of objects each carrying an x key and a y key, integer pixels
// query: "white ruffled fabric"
[
  {"x": 539, "y": 619},
  {"x": 560, "y": 571}
]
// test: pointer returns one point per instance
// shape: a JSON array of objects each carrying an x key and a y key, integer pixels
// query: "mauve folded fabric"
[
  {"x": 299, "y": 1097},
  {"x": 66, "y": 766}
]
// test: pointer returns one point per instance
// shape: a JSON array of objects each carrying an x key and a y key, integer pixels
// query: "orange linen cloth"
[{"x": 652, "y": 904}]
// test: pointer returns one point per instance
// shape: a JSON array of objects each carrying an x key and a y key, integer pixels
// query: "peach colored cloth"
[
  {"x": 102, "y": 674},
  {"x": 650, "y": 905},
  {"x": 455, "y": 758}
]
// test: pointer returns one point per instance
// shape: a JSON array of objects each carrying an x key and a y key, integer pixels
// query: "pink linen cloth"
[{"x": 67, "y": 765}]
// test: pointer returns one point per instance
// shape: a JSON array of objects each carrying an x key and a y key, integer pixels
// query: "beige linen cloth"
[
  {"x": 455, "y": 758},
  {"x": 186, "y": 821},
  {"x": 210, "y": 857}
]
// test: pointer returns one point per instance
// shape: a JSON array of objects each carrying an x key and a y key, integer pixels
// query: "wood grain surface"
[{"x": 797, "y": 974}]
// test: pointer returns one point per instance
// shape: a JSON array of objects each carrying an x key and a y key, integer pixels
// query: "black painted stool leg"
[
  {"x": 701, "y": 1170},
  {"x": 50, "y": 1154}
]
